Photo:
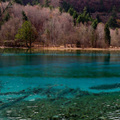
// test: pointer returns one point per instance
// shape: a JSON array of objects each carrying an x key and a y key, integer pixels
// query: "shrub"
[
  {"x": 9, "y": 29},
  {"x": 27, "y": 33}
]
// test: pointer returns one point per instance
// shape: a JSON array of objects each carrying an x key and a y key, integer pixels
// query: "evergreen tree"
[
  {"x": 24, "y": 17},
  {"x": 0, "y": 12},
  {"x": 7, "y": 17},
  {"x": 84, "y": 17},
  {"x": 79, "y": 19},
  {"x": 98, "y": 18},
  {"x": 35, "y": 2},
  {"x": 84, "y": 11},
  {"x": 95, "y": 23},
  {"x": 60, "y": 9},
  {"x": 19, "y": 1},
  {"x": 114, "y": 13},
  {"x": 71, "y": 11},
  {"x": 75, "y": 15},
  {"x": 107, "y": 34},
  {"x": 102, "y": 8},
  {"x": 112, "y": 22},
  {"x": 27, "y": 33},
  {"x": 64, "y": 5},
  {"x": 47, "y": 3}
]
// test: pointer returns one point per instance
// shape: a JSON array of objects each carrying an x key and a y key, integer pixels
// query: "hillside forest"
[{"x": 58, "y": 23}]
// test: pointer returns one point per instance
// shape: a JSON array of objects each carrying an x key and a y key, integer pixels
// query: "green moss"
[
  {"x": 106, "y": 86},
  {"x": 90, "y": 107}
]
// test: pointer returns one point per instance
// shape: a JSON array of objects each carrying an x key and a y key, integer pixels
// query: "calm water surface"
[{"x": 92, "y": 71}]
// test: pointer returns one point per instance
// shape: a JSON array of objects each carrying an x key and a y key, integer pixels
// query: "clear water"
[{"x": 22, "y": 70}]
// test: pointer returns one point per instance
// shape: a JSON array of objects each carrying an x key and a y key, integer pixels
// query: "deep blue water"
[{"x": 23, "y": 70}]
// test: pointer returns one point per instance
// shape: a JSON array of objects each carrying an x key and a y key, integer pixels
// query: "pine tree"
[
  {"x": 98, "y": 18},
  {"x": 60, "y": 9},
  {"x": 75, "y": 15},
  {"x": 19, "y": 1},
  {"x": 27, "y": 33},
  {"x": 114, "y": 14},
  {"x": 71, "y": 11},
  {"x": 95, "y": 23},
  {"x": 25, "y": 18},
  {"x": 79, "y": 19},
  {"x": 7, "y": 17},
  {"x": 84, "y": 17},
  {"x": 112, "y": 20},
  {"x": 102, "y": 6},
  {"x": 65, "y": 5},
  {"x": 107, "y": 35},
  {"x": 47, "y": 3}
]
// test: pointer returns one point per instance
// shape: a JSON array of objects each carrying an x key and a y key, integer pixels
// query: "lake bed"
[{"x": 75, "y": 82}]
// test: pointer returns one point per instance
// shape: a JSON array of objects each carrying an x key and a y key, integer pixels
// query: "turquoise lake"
[{"x": 92, "y": 71}]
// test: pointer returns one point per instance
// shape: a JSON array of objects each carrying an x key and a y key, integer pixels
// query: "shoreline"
[
  {"x": 63, "y": 48},
  {"x": 74, "y": 49}
]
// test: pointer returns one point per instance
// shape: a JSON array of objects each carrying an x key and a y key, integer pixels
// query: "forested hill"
[
  {"x": 59, "y": 23},
  {"x": 92, "y": 5},
  {"x": 95, "y": 5}
]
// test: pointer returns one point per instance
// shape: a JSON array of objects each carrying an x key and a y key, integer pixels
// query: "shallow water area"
[{"x": 26, "y": 75}]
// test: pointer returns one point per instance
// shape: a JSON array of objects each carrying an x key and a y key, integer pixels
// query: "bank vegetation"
[{"x": 27, "y": 26}]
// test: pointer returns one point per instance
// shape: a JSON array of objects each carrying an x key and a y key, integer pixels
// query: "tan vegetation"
[{"x": 55, "y": 29}]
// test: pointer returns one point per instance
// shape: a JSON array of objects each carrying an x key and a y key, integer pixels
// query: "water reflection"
[{"x": 80, "y": 66}]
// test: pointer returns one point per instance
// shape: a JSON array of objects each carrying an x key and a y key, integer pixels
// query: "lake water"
[{"x": 23, "y": 71}]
